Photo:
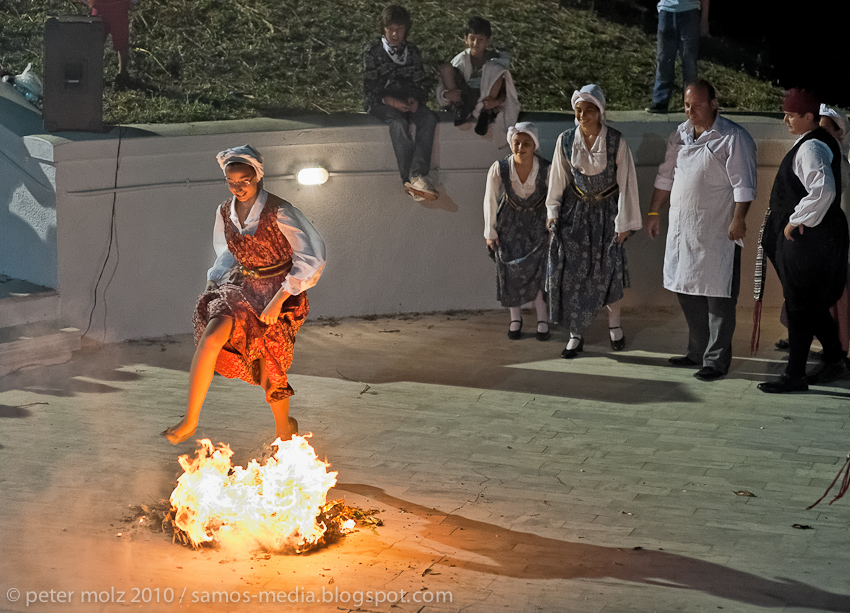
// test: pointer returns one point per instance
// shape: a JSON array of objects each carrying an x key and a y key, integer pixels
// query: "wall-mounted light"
[{"x": 312, "y": 176}]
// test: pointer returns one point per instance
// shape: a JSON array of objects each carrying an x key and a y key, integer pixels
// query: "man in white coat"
[{"x": 709, "y": 178}]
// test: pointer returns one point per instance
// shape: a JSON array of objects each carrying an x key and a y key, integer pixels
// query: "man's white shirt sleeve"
[{"x": 812, "y": 165}]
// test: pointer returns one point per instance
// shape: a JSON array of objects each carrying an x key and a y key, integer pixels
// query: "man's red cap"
[{"x": 801, "y": 101}]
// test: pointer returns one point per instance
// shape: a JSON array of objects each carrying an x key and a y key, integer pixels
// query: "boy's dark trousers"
[{"x": 412, "y": 154}]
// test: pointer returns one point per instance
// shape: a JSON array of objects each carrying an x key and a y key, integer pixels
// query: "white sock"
[
  {"x": 540, "y": 307},
  {"x": 516, "y": 318},
  {"x": 614, "y": 329},
  {"x": 574, "y": 341}
]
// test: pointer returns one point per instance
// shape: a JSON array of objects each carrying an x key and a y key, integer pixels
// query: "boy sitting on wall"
[
  {"x": 477, "y": 82},
  {"x": 395, "y": 91}
]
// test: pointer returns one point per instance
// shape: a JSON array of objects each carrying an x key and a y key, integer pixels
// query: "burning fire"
[{"x": 277, "y": 506}]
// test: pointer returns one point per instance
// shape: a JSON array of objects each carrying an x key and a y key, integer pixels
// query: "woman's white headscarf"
[
  {"x": 593, "y": 94},
  {"x": 840, "y": 119},
  {"x": 524, "y": 127},
  {"x": 245, "y": 154}
]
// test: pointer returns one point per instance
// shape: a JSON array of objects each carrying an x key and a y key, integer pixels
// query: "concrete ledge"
[{"x": 386, "y": 254}]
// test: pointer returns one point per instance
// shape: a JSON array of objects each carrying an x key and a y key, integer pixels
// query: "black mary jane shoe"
[
  {"x": 620, "y": 344},
  {"x": 784, "y": 385},
  {"x": 515, "y": 334},
  {"x": 569, "y": 354},
  {"x": 543, "y": 336}
]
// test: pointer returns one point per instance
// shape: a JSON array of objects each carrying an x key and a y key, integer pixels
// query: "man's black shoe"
[
  {"x": 683, "y": 361},
  {"x": 784, "y": 385},
  {"x": 708, "y": 373}
]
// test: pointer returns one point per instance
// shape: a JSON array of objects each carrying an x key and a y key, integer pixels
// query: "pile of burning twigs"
[{"x": 278, "y": 504}]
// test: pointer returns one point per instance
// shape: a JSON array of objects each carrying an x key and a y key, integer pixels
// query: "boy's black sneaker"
[
  {"x": 461, "y": 114},
  {"x": 484, "y": 121}
]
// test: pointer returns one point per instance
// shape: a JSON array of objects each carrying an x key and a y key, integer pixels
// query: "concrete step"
[
  {"x": 36, "y": 344},
  {"x": 22, "y": 302}
]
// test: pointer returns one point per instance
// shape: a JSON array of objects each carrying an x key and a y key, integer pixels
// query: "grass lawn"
[{"x": 201, "y": 60}]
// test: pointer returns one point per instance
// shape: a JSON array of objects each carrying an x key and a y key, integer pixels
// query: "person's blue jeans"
[
  {"x": 412, "y": 154},
  {"x": 678, "y": 33}
]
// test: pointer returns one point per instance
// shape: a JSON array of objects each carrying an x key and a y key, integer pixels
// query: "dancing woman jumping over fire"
[{"x": 255, "y": 299}]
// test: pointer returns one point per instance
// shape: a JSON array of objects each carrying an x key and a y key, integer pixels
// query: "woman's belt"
[
  {"x": 591, "y": 198},
  {"x": 261, "y": 272},
  {"x": 527, "y": 206}
]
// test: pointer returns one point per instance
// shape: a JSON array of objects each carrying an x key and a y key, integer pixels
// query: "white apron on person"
[{"x": 699, "y": 256}]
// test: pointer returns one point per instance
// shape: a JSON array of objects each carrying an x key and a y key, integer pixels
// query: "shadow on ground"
[{"x": 527, "y": 556}]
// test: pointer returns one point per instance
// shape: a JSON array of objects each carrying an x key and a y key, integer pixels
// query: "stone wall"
[{"x": 386, "y": 253}]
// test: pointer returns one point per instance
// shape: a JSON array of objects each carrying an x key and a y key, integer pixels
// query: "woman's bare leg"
[
  {"x": 447, "y": 74},
  {"x": 215, "y": 336},
  {"x": 497, "y": 91},
  {"x": 284, "y": 425}
]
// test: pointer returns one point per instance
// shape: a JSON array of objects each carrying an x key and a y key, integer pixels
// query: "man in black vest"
[{"x": 805, "y": 237}]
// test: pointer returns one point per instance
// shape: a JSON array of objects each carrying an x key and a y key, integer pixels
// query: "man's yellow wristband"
[{"x": 652, "y": 213}]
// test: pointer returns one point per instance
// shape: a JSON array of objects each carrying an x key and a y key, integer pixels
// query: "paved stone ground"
[{"x": 506, "y": 476}]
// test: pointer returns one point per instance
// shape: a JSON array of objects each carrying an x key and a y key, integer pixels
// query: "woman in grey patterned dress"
[
  {"x": 592, "y": 208},
  {"x": 515, "y": 227}
]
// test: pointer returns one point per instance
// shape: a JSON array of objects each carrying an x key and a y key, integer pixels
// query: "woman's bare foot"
[
  {"x": 291, "y": 430},
  {"x": 179, "y": 433}
]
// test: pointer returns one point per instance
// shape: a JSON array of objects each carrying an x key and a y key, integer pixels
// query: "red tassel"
[
  {"x": 845, "y": 483},
  {"x": 754, "y": 341}
]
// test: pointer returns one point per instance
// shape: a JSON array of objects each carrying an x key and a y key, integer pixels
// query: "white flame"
[{"x": 272, "y": 506}]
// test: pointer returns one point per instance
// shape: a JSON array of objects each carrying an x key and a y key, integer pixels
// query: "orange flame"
[{"x": 272, "y": 506}]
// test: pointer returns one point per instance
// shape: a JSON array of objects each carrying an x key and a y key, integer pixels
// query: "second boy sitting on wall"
[{"x": 477, "y": 82}]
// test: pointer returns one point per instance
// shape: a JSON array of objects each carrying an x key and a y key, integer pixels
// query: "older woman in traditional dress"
[
  {"x": 515, "y": 227},
  {"x": 834, "y": 121},
  {"x": 592, "y": 208},
  {"x": 255, "y": 300}
]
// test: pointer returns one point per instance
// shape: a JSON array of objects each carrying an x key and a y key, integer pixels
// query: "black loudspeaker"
[{"x": 73, "y": 73}]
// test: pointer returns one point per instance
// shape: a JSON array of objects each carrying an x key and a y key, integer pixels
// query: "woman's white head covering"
[
  {"x": 524, "y": 127},
  {"x": 840, "y": 119},
  {"x": 593, "y": 94},
  {"x": 245, "y": 154}
]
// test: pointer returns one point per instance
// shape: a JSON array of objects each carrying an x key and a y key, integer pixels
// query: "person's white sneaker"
[
  {"x": 413, "y": 194},
  {"x": 421, "y": 187}
]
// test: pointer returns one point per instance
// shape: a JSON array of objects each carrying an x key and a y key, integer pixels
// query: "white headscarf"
[
  {"x": 245, "y": 154},
  {"x": 524, "y": 127},
  {"x": 840, "y": 119},
  {"x": 593, "y": 94}
]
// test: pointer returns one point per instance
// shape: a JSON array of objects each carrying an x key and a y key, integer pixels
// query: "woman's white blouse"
[
  {"x": 493, "y": 190},
  {"x": 308, "y": 248},
  {"x": 592, "y": 162}
]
